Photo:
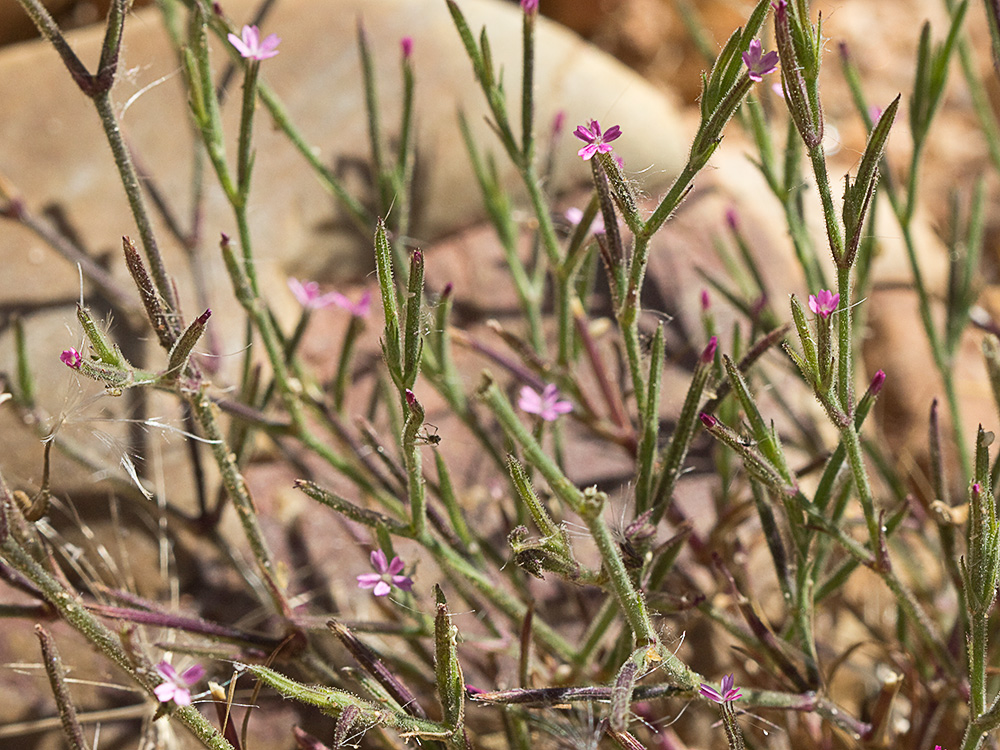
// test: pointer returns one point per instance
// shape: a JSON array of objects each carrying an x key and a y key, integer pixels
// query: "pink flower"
[
  {"x": 251, "y": 47},
  {"x": 308, "y": 295},
  {"x": 177, "y": 687},
  {"x": 597, "y": 142},
  {"x": 758, "y": 63},
  {"x": 824, "y": 303},
  {"x": 358, "y": 309},
  {"x": 387, "y": 575},
  {"x": 547, "y": 405},
  {"x": 71, "y": 358},
  {"x": 729, "y": 691},
  {"x": 574, "y": 215}
]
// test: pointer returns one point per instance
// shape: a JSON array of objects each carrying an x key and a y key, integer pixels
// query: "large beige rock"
[{"x": 53, "y": 153}]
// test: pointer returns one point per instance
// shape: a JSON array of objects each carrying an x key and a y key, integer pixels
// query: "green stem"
[{"x": 833, "y": 232}]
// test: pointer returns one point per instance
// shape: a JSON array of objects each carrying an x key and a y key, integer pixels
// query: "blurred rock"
[{"x": 56, "y": 158}]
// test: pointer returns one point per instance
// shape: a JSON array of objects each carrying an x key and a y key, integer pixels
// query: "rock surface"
[{"x": 55, "y": 155}]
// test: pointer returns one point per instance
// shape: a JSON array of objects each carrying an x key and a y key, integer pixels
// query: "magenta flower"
[
  {"x": 407, "y": 44},
  {"x": 71, "y": 358},
  {"x": 597, "y": 141},
  {"x": 250, "y": 45},
  {"x": 177, "y": 686},
  {"x": 824, "y": 303},
  {"x": 759, "y": 63},
  {"x": 729, "y": 691},
  {"x": 546, "y": 405},
  {"x": 387, "y": 575}
]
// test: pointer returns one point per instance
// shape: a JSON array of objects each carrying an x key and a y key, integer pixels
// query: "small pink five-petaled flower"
[
  {"x": 729, "y": 690},
  {"x": 758, "y": 63},
  {"x": 824, "y": 303},
  {"x": 596, "y": 140},
  {"x": 546, "y": 405},
  {"x": 177, "y": 686},
  {"x": 388, "y": 575},
  {"x": 250, "y": 45}
]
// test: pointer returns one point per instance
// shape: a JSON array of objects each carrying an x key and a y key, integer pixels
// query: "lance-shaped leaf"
[
  {"x": 413, "y": 341},
  {"x": 450, "y": 683},
  {"x": 107, "y": 352},
  {"x": 858, "y": 196},
  {"x": 181, "y": 352},
  {"x": 373, "y": 665},
  {"x": 157, "y": 315},
  {"x": 526, "y": 492},
  {"x": 765, "y": 438},
  {"x": 756, "y": 463},
  {"x": 792, "y": 51},
  {"x": 334, "y": 702},
  {"x": 982, "y": 570},
  {"x": 366, "y": 516},
  {"x": 392, "y": 345}
]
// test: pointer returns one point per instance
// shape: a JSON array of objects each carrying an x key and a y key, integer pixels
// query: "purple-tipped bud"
[
  {"x": 217, "y": 9},
  {"x": 71, "y": 358},
  {"x": 417, "y": 257},
  {"x": 410, "y": 398},
  {"x": 223, "y": 239},
  {"x": 529, "y": 6},
  {"x": 976, "y": 488},
  {"x": 733, "y": 218},
  {"x": 203, "y": 318},
  {"x": 473, "y": 690},
  {"x": 709, "y": 352},
  {"x": 448, "y": 289},
  {"x": 558, "y": 122},
  {"x": 407, "y": 45},
  {"x": 878, "y": 380},
  {"x": 706, "y": 302},
  {"x": 708, "y": 420},
  {"x": 845, "y": 53}
]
